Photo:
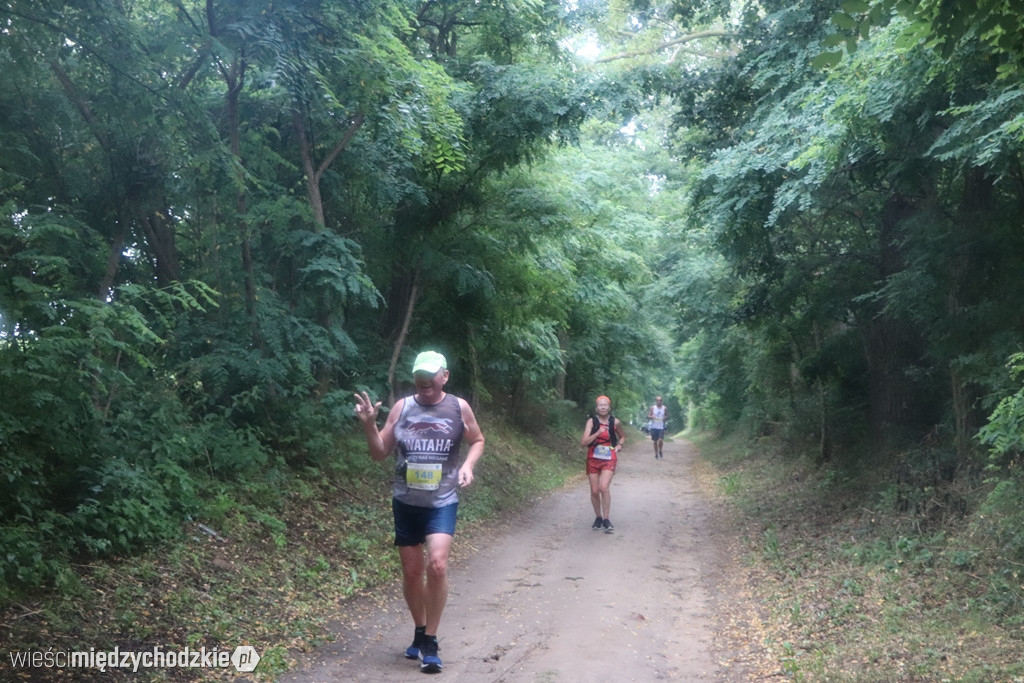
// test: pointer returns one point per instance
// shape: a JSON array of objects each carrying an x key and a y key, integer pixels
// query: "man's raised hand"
[{"x": 366, "y": 409}]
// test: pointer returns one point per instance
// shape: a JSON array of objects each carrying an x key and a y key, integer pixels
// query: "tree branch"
[
  {"x": 357, "y": 121},
  {"x": 81, "y": 105},
  {"x": 187, "y": 77},
  {"x": 661, "y": 46}
]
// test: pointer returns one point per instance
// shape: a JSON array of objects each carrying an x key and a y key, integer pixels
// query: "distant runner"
[{"x": 657, "y": 415}]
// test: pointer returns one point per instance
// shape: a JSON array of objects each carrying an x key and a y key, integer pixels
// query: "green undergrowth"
[
  {"x": 265, "y": 564},
  {"x": 855, "y": 585}
]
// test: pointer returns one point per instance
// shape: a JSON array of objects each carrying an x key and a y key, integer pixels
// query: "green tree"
[{"x": 219, "y": 217}]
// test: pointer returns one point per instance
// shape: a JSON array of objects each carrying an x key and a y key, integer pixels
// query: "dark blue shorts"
[
  {"x": 657, "y": 434},
  {"x": 413, "y": 523}
]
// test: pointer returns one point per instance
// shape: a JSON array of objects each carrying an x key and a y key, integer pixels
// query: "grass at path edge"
[
  {"x": 849, "y": 589},
  {"x": 268, "y": 566}
]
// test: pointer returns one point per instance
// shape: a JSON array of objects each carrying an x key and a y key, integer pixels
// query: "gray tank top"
[{"x": 427, "y": 444}]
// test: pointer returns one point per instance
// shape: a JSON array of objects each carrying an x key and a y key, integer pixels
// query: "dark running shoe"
[
  {"x": 597, "y": 524},
  {"x": 608, "y": 526},
  {"x": 413, "y": 651},
  {"x": 430, "y": 663}
]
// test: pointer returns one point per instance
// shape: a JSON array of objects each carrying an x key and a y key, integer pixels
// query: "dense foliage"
[
  {"x": 848, "y": 278},
  {"x": 220, "y": 218}
]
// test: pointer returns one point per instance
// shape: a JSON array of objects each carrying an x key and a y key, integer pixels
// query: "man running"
[
  {"x": 425, "y": 430},
  {"x": 658, "y": 415}
]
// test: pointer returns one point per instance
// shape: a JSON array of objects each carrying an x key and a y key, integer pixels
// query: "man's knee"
[{"x": 437, "y": 567}]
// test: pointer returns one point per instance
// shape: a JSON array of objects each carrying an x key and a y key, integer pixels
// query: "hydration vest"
[{"x": 596, "y": 424}]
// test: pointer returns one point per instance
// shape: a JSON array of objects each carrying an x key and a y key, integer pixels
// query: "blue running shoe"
[
  {"x": 413, "y": 651},
  {"x": 430, "y": 663}
]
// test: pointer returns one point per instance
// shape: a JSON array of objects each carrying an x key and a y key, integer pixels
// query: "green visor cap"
[{"x": 429, "y": 361}]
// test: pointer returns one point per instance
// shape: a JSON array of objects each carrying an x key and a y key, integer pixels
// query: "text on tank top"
[{"x": 427, "y": 442}]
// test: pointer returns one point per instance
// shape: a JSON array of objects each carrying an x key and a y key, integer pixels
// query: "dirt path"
[{"x": 551, "y": 600}]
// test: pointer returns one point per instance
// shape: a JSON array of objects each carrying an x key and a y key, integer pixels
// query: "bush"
[{"x": 1004, "y": 433}]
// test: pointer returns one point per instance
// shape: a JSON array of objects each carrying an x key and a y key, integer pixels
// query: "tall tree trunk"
[
  {"x": 476, "y": 378},
  {"x": 234, "y": 78},
  {"x": 824, "y": 435},
  {"x": 888, "y": 340},
  {"x": 396, "y": 352},
  {"x": 159, "y": 229},
  {"x": 313, "y": 176},
  {"x": 563, "y": 344},
  {"x": 114, "y": 257},
  {"x": 965, "y": 281}
]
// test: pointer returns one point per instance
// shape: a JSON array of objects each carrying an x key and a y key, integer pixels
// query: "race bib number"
[
  {"x": 424, "y": 476},
  {"x": 603, "y": 452}
]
